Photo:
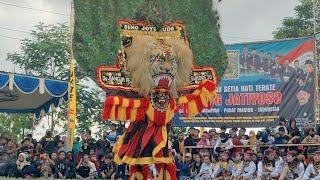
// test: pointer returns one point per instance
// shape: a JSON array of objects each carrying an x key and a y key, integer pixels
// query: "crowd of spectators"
[{"x": 219, "y": 154}]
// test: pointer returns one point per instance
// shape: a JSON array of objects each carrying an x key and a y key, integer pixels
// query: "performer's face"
[
  {"x": 246, "y": 157},
  {"x": 316, "y": 157},
  {"x": 289, "y": 158}
]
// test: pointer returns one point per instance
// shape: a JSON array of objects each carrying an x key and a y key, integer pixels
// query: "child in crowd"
[{"x": 206, "y": 169}]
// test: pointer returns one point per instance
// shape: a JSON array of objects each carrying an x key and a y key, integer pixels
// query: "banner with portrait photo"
[{"x": 263, "y": 81}]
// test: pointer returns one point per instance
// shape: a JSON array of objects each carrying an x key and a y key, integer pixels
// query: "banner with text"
[{"x": 263, "y": 81}]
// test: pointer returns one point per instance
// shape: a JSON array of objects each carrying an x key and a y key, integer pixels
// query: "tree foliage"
[
  {"x": 15, "y": 126},
  {"x": 96, "y": 35},
  {"x": 46, "y": 53},
  {"x": 299, "y": 26}
]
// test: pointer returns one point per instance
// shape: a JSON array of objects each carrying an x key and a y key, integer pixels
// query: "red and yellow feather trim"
[
  {"x": 200, "y": 99},
  {"x": 123, "y": 109}
]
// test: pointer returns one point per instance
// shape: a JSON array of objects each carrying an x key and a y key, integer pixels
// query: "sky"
[{"x": 240, "y": 20}]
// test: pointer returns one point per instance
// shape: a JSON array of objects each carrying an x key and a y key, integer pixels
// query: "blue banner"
[{"x": 263, "y": 81}]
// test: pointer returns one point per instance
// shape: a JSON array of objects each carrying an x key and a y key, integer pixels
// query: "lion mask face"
[{"x": 157, "y": 64}]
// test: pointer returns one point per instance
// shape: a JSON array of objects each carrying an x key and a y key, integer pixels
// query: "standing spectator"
[
  {"x": 204, "y": 141},
  {"x": 48, "y": 143},
  {"x": 223, "y": 143},
  {"x": 252, "y": 140},
  {"x": 243, "y": 137},
  {"x": 76, "y": 145},
  {"x": 190, "y": 140},
  {"x": 113, "y": 135},
  {"x": 306, "y": 129},
  {"x": 213, "y": 137},
  {"x": 25, "y": 146},
  {"x": 206, "y": 169},
  {"x": 293, "y": 127},
  {"x": 195, "y": 167},
  {"x": 85, "y": 168},
  {"x": 61, "y": 146},
  {"x": 103, "y": 146},
  {"x": 108, "y": 168},
  {"x": 178, "y": 145},
  {"x": 282, "y": 123}
]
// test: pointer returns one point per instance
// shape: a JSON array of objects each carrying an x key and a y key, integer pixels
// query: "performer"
[
  {"x": 223, "y": 170},
  {"x": 247, "y": 169},
  {"x": 271, "y": 166},
  {"x": 293, "y": 169},
  {"x": 153, "y": 78},
  {"x": 313, "y": 170}
]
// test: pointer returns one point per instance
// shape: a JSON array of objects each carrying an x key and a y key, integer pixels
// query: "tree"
[
  {"x": 46, "y": 53},
  {"x": 15, "y": 126},
  {"x": 96, "y": 35},
  {"x": 299, "y": 26}
]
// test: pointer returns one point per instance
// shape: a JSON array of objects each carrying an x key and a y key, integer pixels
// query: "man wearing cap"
[
  {"x": 270, "y": 167},
  {"x": 223, "y": 170},
  {"x": 313, "y": 169},
  {"x": 248, "y": 167},
  {"x": 294, "y": 169}
]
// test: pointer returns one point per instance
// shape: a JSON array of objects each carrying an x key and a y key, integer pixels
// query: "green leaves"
[
  {"x": 96, "y": 35},
  {"x": 299, "y": 26}
]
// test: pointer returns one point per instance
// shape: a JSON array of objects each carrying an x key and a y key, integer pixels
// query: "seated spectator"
[
  {"x": 71, "y": 166},
  {"x": 195, "y": 167},
  {"x": 94, "y": 159},
  {"x": 108, "y": 168},
  {"x": 21, "y": 164},
  {"x": 182, "y": 167},
  {"x": 293, "y": 169},
  {"x": 206, "y": 169},
  {"x": 85, "y": 168},
  {"x": 60, "y": 169},
  {"x": 46, "y": 165}
]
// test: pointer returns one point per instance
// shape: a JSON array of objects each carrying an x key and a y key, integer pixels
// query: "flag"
[{"x": 72, "y": 113}]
